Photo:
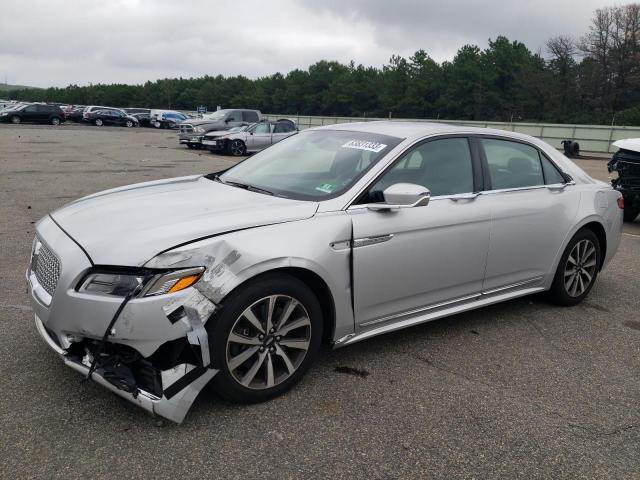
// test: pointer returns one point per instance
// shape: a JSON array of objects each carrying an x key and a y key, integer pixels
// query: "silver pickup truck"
[{"x": 193, "y": 131}]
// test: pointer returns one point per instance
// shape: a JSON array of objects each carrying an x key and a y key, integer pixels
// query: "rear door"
[
  {"x": 282, "y": 130},
  {"x": 31, "y": 114},
  {"x": 532, "y": 211}
]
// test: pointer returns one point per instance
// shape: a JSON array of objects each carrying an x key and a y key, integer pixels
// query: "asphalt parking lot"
[{"x": 522, "y": 389}]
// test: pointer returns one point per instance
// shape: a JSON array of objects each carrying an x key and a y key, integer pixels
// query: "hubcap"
[
  {"x": 580, "y": 268},
  {"x": 268, "y": 342}
]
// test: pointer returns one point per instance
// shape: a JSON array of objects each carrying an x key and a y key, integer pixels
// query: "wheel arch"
[
  {"x": 597, "y": 228},
  {"x": 311, "y": 279}
]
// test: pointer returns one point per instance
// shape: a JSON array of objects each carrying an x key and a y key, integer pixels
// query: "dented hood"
[{"x": 127, "y": 226}]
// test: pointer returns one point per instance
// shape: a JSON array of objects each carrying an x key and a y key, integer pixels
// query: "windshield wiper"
[{"x": 246, "y": 186}]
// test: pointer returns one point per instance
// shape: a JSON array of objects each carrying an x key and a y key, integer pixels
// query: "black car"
[
  {"x": 143, "y": 119},
  {"x": 33, "y": 113},
  {"x": 75, "y": 114},
  {"x": 111, "y": 116}
]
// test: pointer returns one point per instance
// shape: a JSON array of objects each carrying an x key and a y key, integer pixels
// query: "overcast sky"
[{"x": 55, "y": 43}]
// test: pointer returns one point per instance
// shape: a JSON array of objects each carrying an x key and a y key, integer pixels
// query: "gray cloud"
[{"x": 47, "y": 43}]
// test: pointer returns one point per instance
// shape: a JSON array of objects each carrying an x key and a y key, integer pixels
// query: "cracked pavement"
[{"x": 522, "y": 389}]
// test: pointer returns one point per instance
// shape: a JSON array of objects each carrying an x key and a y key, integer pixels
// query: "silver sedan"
[
  {"x": 249, "y": 139},
  {"x": 334, "y": 235}
]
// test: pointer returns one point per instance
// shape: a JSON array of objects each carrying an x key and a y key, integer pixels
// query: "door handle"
[{"x": 465, "y": 196}]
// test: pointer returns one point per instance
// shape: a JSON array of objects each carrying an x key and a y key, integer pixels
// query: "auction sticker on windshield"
[
  {"x": 326, "y": 188},
  {"x": 365, "y": 145}
]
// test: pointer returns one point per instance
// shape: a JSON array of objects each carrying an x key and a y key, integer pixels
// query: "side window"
[
  {"x": 234, "y": 116},
  {"x": 250, "y": 117},
  {"x": 512, "y": 164},
  {"x": 443, "y": 166},
  {"x": 31, "y": 109},
  {"x": 262, "y": 128},
  {"x": 551, "y": 173}
]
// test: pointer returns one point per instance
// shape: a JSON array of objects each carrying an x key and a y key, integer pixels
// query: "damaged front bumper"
[
  {"x": 157, "y": 353},
  {"x": 180, "y": 384}
]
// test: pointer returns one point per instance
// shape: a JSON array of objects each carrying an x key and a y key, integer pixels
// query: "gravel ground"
[{"x": 522, "y": 389}]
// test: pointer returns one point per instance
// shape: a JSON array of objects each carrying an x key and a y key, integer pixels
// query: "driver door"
[
  {"x": 421, "y": 258},
  {"x": 260, "y": 137}
]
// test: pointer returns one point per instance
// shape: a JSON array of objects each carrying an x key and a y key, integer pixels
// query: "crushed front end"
[
  {"x": 150, "y": 348},
  {"x": 627, "y": 164}
]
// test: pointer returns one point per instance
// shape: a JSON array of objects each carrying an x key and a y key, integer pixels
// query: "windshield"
[
  {"x": 219, "y": 115},
  {"x": 313, "y": 165}
]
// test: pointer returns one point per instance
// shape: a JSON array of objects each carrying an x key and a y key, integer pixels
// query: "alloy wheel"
[
  {"x": 237, "y": 148},
  {"x": 99, "y": 122},
  {"x": 15, "y": 119},
  {"x": 268, "y": 342},
  {"x": 55, "y": 121},
  {"x": 580, "y": 269}
]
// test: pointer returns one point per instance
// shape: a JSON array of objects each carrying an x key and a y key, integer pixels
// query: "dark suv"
[{"x": 34, "y": 113}]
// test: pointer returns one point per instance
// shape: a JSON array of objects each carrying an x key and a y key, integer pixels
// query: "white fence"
[{"x": 592, "y": 138}]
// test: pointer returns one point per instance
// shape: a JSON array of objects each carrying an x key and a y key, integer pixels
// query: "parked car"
[
  {"x": 75, "y": 114},
  {"x": 252, "y": 138},
  {"x": 91, "y": 108},
  {"x": 626, "y": 161},
  {"x": 338, "y": 233},
  {"x": 111, "y": 116},
  {"x": 33, "y": 113},
  {"x": 166, "y": 118},
  {"x": 142, "y": 118},
  {"x": 192, "y": 132}
]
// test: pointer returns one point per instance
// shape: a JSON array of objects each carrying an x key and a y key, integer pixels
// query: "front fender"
[{"x": 232, "y": 259}]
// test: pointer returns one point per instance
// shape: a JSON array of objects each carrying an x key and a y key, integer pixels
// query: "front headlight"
[
  {"x": 198, "y": 129},
  {"x": 121, "y": 284}
]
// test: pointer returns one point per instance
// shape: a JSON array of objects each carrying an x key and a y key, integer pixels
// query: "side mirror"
[{"x": 403, "y": 195}]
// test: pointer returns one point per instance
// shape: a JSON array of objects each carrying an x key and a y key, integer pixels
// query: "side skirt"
[{"x": 434, "y": 312}]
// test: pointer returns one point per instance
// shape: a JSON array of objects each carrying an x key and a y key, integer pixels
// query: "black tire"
[
  {"x": 55, "y": 121},
  {"x": 98, "y": 122},
  {"x": 237, "y": 148},
  {"x": 630, "y": 214},
  {"x": 15, "y": 119},
  {"x": 220, "y": 325},
  {"x": 559, "y": 293},
  {"x": 128, "y": 124},
  {"x": 189, "y": 146}
]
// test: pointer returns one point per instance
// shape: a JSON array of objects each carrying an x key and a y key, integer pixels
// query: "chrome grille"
[
  {"x": 46, "y": 267},
  {"x": 186, "y": 128}
]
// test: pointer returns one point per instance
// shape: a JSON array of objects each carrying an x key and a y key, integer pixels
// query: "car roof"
[{"x": 409, "y": 130}]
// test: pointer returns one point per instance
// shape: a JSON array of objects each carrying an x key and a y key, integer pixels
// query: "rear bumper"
[{"x": 177, "y": 396}]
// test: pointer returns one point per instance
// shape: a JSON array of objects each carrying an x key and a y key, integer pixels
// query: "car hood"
[
  {"x": 632, "y": 144},
  {"x": 204, "y": 122},
  {"x": 128, "y": 226},
  {"x": 219, "y": 133}
]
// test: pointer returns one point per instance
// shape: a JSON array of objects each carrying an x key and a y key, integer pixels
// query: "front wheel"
[
  {"x": 16, "y": 119},
  {"x": 236, "y": 148},
  {"x": 630, "y": 214},
  {"x": 264, "y": 338},
  {"x": 98, "y": 122},
  {"x": 129, "y": 124},
  {"x": 577, "y": 270}
]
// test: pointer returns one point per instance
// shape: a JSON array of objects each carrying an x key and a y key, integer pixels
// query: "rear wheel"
[
  {"x": 16, "y": 119},
  {"x": 630, "y": 214},
  {"x": 577, "y": 270},
  {"x": 264, "y": 338},
  {"x": 55, "y": 121}
]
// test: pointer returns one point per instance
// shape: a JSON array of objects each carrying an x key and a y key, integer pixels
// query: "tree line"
[{"x": 592, "y": 79}]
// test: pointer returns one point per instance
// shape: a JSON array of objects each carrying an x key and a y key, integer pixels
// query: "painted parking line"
[{"x": 631, "y": 234}]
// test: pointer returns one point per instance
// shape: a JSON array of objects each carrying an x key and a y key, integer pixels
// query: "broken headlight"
[{"x": 120, "y": 284}]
